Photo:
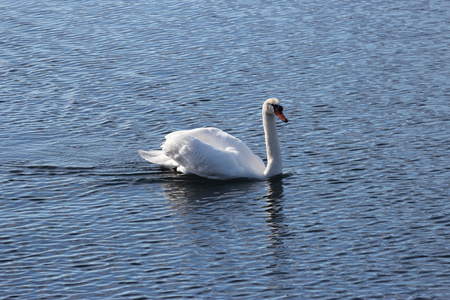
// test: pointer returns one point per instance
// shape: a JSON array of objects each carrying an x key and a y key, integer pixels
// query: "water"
[{"x": 361, "y": 211}]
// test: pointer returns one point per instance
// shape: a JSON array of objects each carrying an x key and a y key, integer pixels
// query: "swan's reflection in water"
[
  {"x": 276, "y": 220},
  {"x": 188, "y": 190},
  {"x": 234, "y": 230},
  {"x": 194, "y": 196},
  {"x": 216, "y": 210}
]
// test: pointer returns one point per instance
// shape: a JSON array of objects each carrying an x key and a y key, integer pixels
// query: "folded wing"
[{"x": 212, "y": 153}]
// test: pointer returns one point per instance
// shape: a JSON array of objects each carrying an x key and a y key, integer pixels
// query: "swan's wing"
[
  {"x": 212, "y": 153},
  {"x": 159, "y": 158}
]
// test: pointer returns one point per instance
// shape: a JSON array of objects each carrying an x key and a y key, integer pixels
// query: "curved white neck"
[{"x": 274, "y": 165}]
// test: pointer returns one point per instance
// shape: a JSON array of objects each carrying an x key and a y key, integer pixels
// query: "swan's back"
[{"x": 212, "y": 153}]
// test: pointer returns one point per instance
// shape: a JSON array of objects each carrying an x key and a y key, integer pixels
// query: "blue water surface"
[{"x": 361, "y": 211}]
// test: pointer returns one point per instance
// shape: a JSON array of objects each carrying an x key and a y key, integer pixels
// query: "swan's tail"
[{"x": 158, "y": 157}]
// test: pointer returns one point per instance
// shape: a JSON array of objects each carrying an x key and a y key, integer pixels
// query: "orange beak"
[{"x": 281, "y": 116}]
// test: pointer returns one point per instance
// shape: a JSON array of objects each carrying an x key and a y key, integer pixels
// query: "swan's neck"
[{"x": 274, "y": 165}]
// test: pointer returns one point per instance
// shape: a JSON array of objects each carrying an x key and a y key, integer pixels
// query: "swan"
[{"x": 212, "y": 153}]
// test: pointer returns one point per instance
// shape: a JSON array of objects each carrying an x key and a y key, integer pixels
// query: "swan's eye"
[{"x": 277, "y": 108}]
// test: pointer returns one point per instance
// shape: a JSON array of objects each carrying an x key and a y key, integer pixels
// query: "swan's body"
[{"x": 215, "y": 154}]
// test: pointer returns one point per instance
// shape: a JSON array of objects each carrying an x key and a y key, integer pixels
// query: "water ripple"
[{"x": 361, "y": 211}]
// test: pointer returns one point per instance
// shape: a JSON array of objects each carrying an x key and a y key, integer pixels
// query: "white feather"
[{"x": 212, "y": 153}]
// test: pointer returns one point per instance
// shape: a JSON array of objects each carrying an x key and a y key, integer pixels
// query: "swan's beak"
[
  {"x": 279, "y": 112},
  {"x": 281, "y": 116}
]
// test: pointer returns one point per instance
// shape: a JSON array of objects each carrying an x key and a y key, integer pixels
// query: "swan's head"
[{"x": 272, "y": 107}]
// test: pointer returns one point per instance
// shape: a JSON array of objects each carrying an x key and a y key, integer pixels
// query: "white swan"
[{"x": 213, "y": 153}]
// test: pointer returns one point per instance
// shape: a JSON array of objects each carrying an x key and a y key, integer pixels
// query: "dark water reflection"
[
  {"x": 213, "y": 214},
  {"x": 276, "y": 220},
  {"x": 209, "y": 198}
]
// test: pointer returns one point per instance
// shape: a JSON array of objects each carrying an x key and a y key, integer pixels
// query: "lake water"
[{"x": 363, "y": 207}]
